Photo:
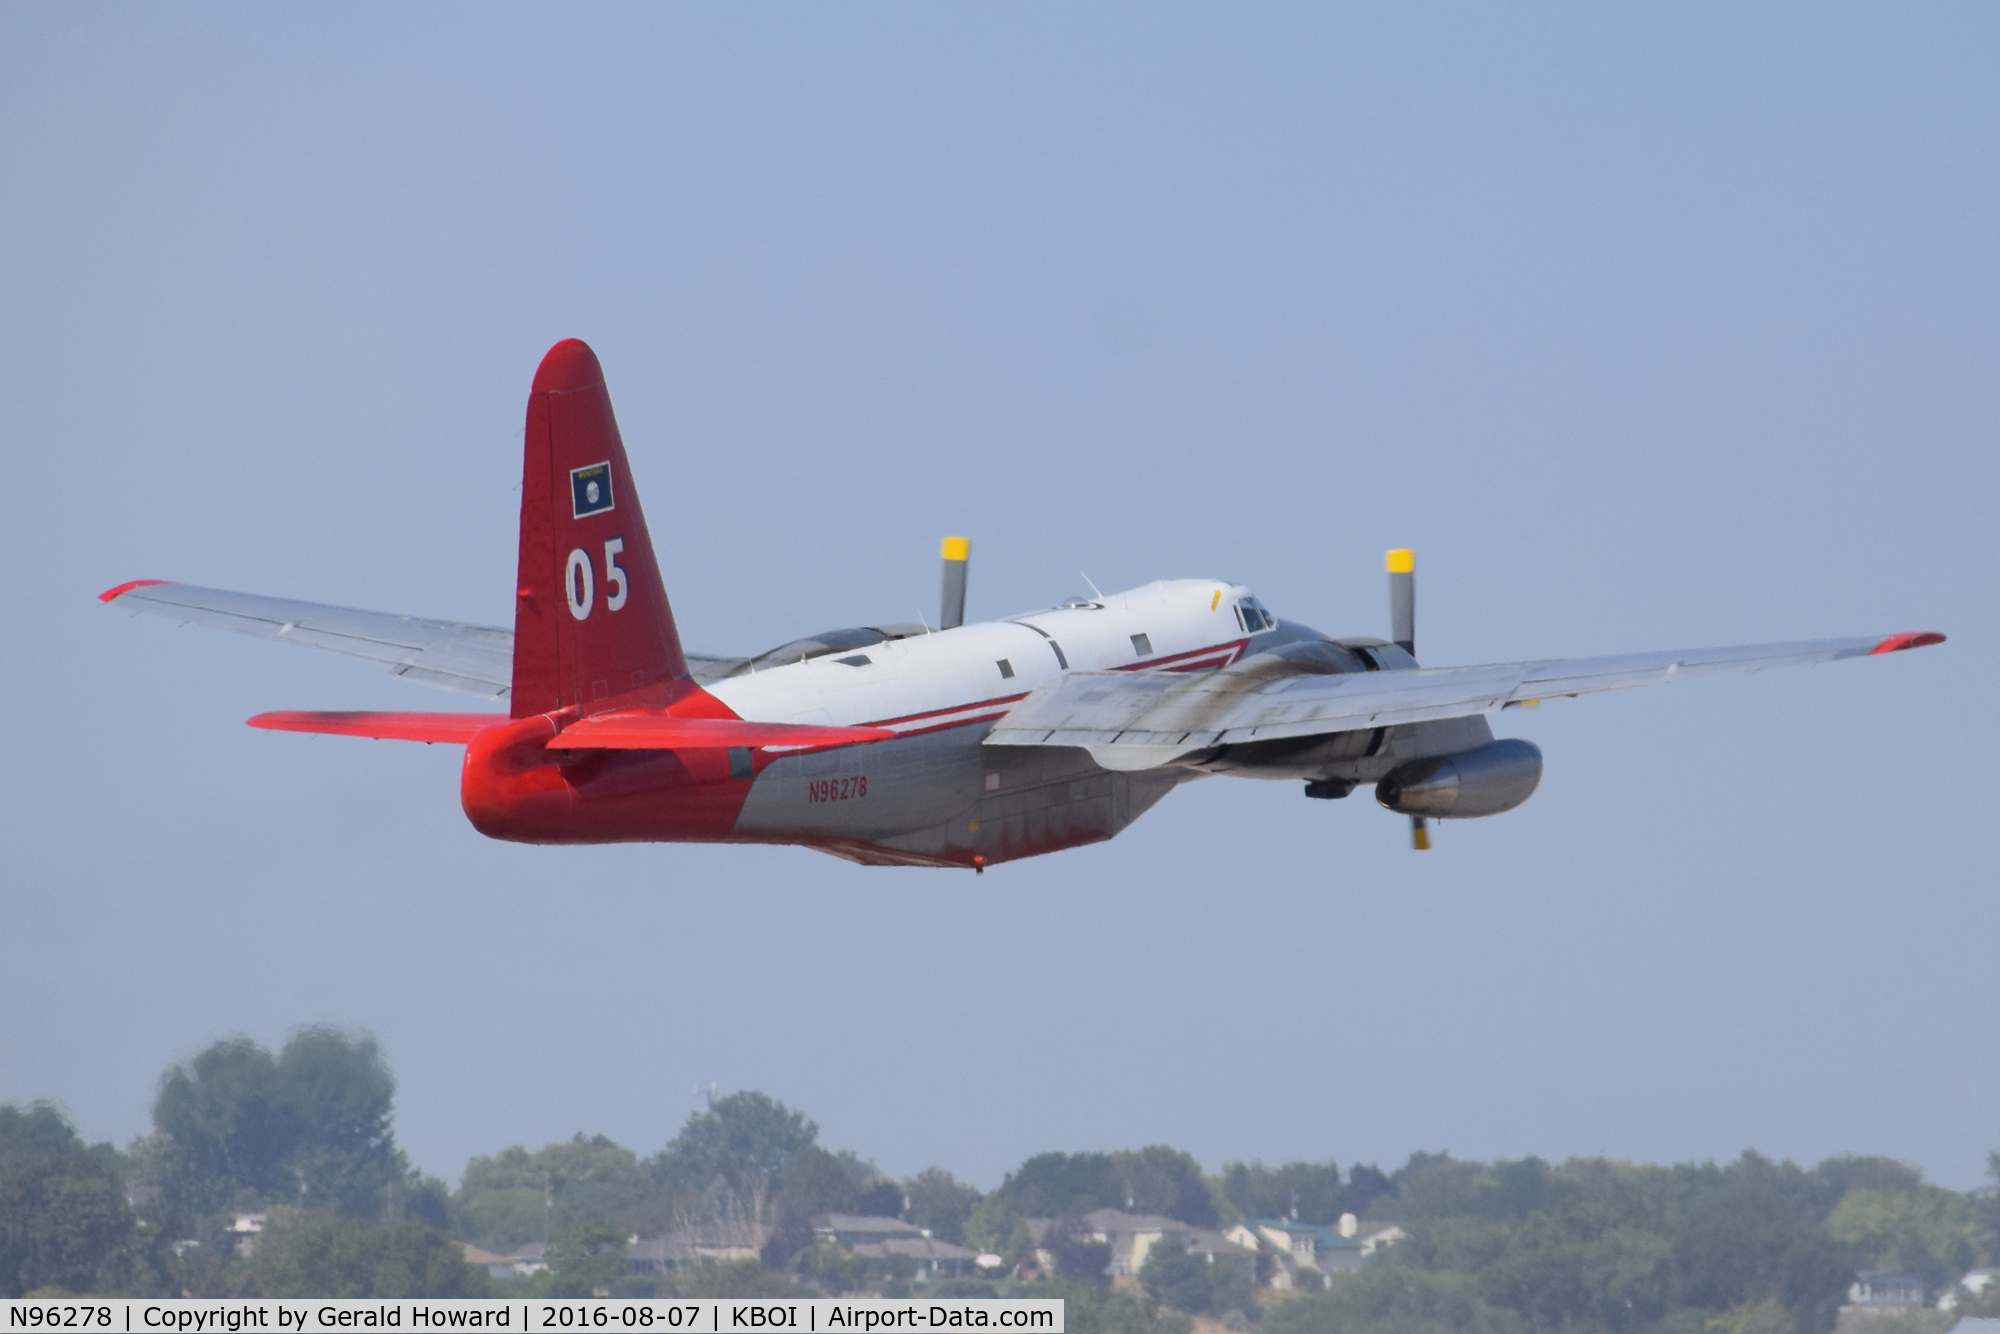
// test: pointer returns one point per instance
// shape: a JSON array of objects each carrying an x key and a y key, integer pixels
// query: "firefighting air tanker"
[{"x": 965, "y": 745}]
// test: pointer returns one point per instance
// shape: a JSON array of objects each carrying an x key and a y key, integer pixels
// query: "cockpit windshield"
[{"x": 1250, "y": 614}]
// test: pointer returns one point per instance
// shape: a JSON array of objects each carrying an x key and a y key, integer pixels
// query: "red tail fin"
[{"x": 591, "y": 620}]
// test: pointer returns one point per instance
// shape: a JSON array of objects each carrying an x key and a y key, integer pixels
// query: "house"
[
  {"x": 935, "y": 1259},
  {"x": 861, "y": 1229},
  {"x": 1290, "y": 1246},
  {"x": 528, "y": 1259},
  {"x": 721, "y": 1242},
  {"x": 1881, "y": 1290},
  {"x": 245, "y": 1227},
  {"x": 1975, "y": 1283},
  {"x": 1130, "y": 1236},
  {"x": 1218, "y": 1249},
  {"x": 875, "y": 1238},
  {"x": 499, "y": 1266},
  {"x": 1373, "y": 1234}
]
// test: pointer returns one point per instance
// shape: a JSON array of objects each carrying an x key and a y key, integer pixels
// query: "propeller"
[
  {"x": 957, "y": 553},
  {"x": 1402, "y": 566}
]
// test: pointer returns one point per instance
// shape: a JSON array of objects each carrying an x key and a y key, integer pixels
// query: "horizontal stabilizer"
[
  {"x": 654, "y": 729},
  {"x": 451, "y": 728}
]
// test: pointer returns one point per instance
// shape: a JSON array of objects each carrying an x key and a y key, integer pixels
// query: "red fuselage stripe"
[
  {"x": 956, "y": 708},
  {"x": 1153, "y": 664}
]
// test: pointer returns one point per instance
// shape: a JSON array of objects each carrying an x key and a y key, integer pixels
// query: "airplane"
[{"x": 903, "y": 745}]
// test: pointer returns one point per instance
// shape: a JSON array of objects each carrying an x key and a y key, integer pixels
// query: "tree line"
[{"x": 305, "y": 1136}]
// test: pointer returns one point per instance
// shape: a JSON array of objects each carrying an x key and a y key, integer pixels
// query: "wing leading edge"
[{"x": 1141, "y": 720}]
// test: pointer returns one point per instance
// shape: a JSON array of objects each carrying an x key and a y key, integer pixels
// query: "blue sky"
[{"x": 1645, "y": 327}]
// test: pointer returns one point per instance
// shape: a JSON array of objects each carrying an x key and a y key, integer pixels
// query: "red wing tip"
[
  {"x": 113, "y": 594},
  {"x": 1913, "y": 639}
]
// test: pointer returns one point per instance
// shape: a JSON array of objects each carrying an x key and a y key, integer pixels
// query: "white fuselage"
[{"x": 974, "y": 673}]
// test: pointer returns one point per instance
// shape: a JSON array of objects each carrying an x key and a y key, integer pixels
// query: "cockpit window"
[{"x": 1250, "y": 614}]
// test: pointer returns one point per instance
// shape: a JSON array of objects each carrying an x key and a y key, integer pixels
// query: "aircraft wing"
[
  {"x": 1140, "y": 720},
  {"x": 450, "y": 655}
]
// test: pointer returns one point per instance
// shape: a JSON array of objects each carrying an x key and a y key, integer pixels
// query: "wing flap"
[
  {"x": 1141, "y": 720},
  {"x": 653, "y": 729}
]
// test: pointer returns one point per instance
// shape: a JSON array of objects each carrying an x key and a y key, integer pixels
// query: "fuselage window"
[
  {"x": 858, "y": 660},
  {"x": 1006, "y": 669},
  {"x": 1142, "y": 645}
]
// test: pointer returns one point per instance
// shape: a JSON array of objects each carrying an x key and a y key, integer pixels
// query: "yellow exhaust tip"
[
  {"x": 1420, "y": 837},
  {"x": 956, "y": 548},
  {"x": 1401, "y": 561}
]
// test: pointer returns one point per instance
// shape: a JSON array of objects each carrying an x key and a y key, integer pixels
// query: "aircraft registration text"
[{"x": 837, "y": 789}]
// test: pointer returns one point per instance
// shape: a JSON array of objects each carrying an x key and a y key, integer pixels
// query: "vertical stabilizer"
[{"x": 591, "y": 620}]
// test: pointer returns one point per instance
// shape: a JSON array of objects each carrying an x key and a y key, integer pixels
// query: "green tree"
[
  {"x": 1051, "y": 1185},
  {"x": 741, "y": 1278},
  {"x": 1091, "y": 1309},
  {"x": 1256, "y": 1191},
  {"x": 319, "y": 1254},
  {"x": 309, "y": 1126},
  {"x": 1162, "y": 1180},
  {"x": 340, "y": 1097},
  {"x": 742, "y": 1140},
  {"x": 994, "y": 1224},
  {"x": 1176, "y": 1278},
  {"x": 1394, "y": 1299},
  {"x": 64, "y": 1222},
  {"x": 585, "y": 1259},
  {"x": 516, "y": 1196},
  {"x": 1079, "y": 1256},
  {"x": 940, "y": 1202},
  {"x": 1925, "y": 1230}
]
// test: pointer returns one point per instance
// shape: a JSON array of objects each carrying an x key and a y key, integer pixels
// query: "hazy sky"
[{"x": 1646, "y": 326}]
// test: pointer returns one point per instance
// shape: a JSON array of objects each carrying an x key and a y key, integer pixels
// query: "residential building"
[
  {"x": 1289, "y": 1247},
  {"x": 499, "y": 1266},
  {"x": 1882, "y": 1290},
  {"x": 935, "y": 1259},
  {"x": 861, "y": 1229},
  {"x": 528, "y": 1259},
  {"x": 1373, "y": 1234},
  {"x": 719, "y": 1242},
  {"x": 1130, "y": 1236}
]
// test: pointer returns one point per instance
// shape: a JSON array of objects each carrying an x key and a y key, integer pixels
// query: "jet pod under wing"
[{"x": 1141, "y": 720}]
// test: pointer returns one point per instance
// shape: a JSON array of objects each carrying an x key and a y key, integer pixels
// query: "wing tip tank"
[
  {"x": 1909, "y": 639},
  {"x": 113, "y": 594}
]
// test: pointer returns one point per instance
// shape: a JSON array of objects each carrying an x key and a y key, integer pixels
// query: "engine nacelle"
[{"x": 1485, "y": 781}]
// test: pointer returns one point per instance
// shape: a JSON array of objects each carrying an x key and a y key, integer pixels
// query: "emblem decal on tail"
[{"x": 590, "y": 489}]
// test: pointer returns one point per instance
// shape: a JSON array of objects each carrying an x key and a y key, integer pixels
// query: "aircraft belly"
[
  {"x": 1064, "y": 801},
  {"x": 867, "y": 791},
  {"x": 943, "y": 799}
]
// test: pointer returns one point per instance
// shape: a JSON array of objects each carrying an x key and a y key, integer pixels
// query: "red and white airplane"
[{"x": 964, "y": 746}]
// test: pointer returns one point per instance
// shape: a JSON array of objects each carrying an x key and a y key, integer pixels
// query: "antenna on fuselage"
[
  {"x": 957, "y": 553},
  {"x": 1402, "y": 565},
  {"x": 1095, "y": 591}
]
